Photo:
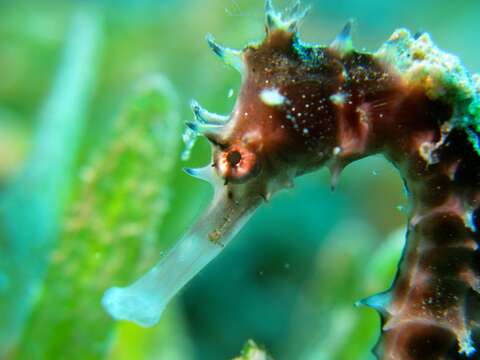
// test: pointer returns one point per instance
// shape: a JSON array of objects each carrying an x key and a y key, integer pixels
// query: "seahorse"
[{"x": 304, "y": 107}]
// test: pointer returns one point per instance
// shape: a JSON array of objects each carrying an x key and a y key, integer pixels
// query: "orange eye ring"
[{"x": 237, "y": 164}]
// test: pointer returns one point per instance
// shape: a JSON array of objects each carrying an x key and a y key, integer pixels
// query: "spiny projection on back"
[{"x": 303, "y": 107}]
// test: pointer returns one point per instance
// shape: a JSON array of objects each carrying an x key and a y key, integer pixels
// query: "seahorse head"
[{"x": 284, "y": 124}]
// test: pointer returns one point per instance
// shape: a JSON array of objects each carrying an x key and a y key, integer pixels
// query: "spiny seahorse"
[{"x": 302, "y": 107}]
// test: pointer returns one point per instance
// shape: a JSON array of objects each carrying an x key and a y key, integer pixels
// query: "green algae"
[
  {"x": 423, "y": 64},
  {"x": 251, "y": 351}
]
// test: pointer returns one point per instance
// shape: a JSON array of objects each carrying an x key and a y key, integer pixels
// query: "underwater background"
[{"x": 93, "y": 100}]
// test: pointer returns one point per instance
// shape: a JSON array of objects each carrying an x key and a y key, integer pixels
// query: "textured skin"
[
  {"x": 341, "y": 105},
  {"x": 435, "y": 300}
]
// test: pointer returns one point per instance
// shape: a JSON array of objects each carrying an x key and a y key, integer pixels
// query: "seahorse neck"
[{"x": 429, "y": 306}]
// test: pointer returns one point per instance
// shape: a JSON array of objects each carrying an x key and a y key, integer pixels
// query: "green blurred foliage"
[
  {"x": 110, "y": 232},
  {"x": 34, "y": 199},
  {"x": 251, "y": 351}
]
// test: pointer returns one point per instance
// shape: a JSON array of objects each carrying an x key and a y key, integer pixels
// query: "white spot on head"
[{"x": 272, "y": 97}]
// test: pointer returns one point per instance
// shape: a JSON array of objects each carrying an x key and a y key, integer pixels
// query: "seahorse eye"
[
  {"x": 234, "y": 158},
  {"x": 237, "y": 164}
]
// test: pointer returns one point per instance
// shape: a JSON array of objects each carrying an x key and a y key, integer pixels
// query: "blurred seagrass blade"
[
  {"x": 33, "y": 203},
  {"x": 327, "y": 312},
  {"x": 110, "y": 228},
  {"x": 338, "y": 330}
]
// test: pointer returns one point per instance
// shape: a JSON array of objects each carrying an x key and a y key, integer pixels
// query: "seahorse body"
[{"x": 303, "y": 107}]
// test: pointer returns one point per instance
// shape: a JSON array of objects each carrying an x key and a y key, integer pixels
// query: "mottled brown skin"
[
  {"x": 435, "y": 295},
  {"x": 434, "y": 298},
  {"x": 279, "y": 144}
]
